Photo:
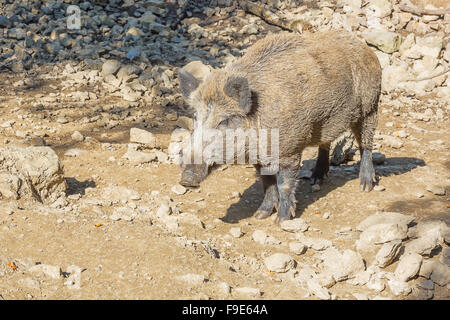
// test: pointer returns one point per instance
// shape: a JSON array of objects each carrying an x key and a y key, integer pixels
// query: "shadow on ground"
[
  {"x": 339, "y": 176},
  {"x": 78, "y": 187}
]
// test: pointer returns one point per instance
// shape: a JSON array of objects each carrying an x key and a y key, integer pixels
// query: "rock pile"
[{"x": 35, "y": 172}]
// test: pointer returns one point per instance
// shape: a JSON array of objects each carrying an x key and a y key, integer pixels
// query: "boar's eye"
[{"x": 223, "y": 123}]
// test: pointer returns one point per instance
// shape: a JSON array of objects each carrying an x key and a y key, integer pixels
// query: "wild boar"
[{"x": 310, "y": 87}]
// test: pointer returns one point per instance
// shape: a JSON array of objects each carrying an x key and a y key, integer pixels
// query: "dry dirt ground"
[
  {"x": 143, "y": 260},
  {"x": 146, "y": 259}
]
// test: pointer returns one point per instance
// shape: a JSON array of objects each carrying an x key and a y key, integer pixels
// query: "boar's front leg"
[
  {"x": 287, "y": 179},
  {"x": 270, "y": 202}
]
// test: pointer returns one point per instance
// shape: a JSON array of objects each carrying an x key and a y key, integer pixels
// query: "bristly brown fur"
[{"x": 311, "y": 87}]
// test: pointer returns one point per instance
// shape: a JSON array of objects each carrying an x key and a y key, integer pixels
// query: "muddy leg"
[
  {"x": 270, "y": 201},
  {"x": 322, "y": 164},
  {"x": 287, "y": 179},
  {"x": 364, "y": 132}
]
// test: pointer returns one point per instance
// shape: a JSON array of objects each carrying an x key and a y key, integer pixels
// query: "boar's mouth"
[{"x": 193, "y": 174}]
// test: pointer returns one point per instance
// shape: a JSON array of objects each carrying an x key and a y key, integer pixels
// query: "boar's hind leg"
[
  {"x": 270, "y": 201},
  {"x": 364, "y": 132},
  {"x": 287, "y": 179},
  {"x": 322, "y": 164}
]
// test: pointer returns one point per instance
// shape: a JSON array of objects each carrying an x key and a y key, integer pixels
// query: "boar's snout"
[{"x": 193, "y": 174}]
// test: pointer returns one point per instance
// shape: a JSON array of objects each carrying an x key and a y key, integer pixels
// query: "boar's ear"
[
  {"x": 188, "y": 83},
  {"x": 238, "y": 89}
]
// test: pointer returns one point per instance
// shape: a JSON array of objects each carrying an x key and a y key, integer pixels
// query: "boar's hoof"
[
  {"x": 192, "y": 175},
  {"x": 366, "y": 186},
  {"x": 261, "y": 214},
  {"x": 318, "y": 177},
  {"x": 366, "y": 172},
  {"x": 279, "y": 219},
  {"x": 189, "y": 183}
]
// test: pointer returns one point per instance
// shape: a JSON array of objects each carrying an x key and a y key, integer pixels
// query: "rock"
[
  {"x": 224, "y": 288},
  {"x": 190, "y": 219},
  {"x": 127, "y": 71},
  {"x": 17, "y": 33},
  {"x": 295, "y": 225},
  {"x": 304, "y": 274},
  {"x": 172, "y": 116},
  {"x": 440, "y": 274},
  {"x": 171, "y": 222},
  {"x": 9, "y": 186},
  {"x": 39, "y": 169},
  {"x": 261, "y": 237},
  {"x": 437, "y": 190},
  {"x": 385, "y": 41},
  {"x": 179, "y": 189},
  {"x": 392, "y": 142},
  {"x": 192, "y": 279},
  {"x": 408, "y": 267},
  {"x": 341, "y": 148},
  {"x": 378, "y": 158},
  {"x": 53, "y": 272},
  {"x": 123, "y": 213},
  {"x": 7, "y": 124},
  {"x": 316, "y": 289},
  {"x": 375, "y": 283},
  {"x": 185, "y": 123},
  {"x": 434, "y": 228},
  {"x": 423, "y": 245},
  {"x": 77, "y": 136},
  {"x": 110, "y": 67},
  {"x": 342, "y": 266},
  {"x": 29, "y": 283},
  {"x": 74, "y": 152},
  {"x": 427, "y": 46},
  {"x": 379, "y": 8},
  {"x": 426, "y": 268},
  {"x": 326, "y": 280},
  {"x": 384, "y": 232},
  {"x": 399, "y": 288},
  {"x": 387, "y": 253},
  {"x": 407, "y": 43},
  {"x": 197, "y": 69},
  {"x": 279, "y": 262},
  {"x": 379, "y": 188},
  {"x": 163, "y": 210},
  {"x": 120, "y": 194},
  {"x": 297, "y": 248},
  {"x": 383, "y": 58},
  {"x": 4, "y": 22},
  {"x": 426, "y": 284},
  {"x": 142, "y": 136},
  {"x": 132, "y": 53},
  {"x": 247, "y": 291},
  {"x": 134, "y": 32},
  {"x": 74, "y": 279},
  {"x": 161, "y": 156},
  {"x": 445, "y": 256},
  {"x": 384, "y": 217},
  {"x": 360, "y": 296},
  {"x": 138, "y": 157},
  {"x": 317, "y": 244},
  {"x": 393, "y": 75},
  {"x": 236, "y": 232},
  {"x": 130, "y": 95}
]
